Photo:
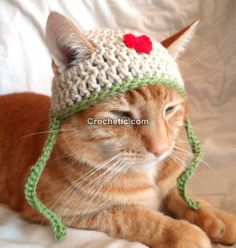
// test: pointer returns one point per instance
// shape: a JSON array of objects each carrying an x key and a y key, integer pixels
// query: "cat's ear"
[
  {"x": 66, "y": 43},
  {"x": 177, "y": 43}
]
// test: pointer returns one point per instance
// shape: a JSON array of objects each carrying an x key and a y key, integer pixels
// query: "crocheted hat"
[{"x": 122, "y": 60}]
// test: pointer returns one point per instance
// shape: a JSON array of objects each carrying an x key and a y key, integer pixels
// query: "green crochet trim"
[
  {"x": 115, "y": 89},
  {"x": 187, "y": 174},
  {"x": 58, "y": 227},
  {"x": 57, "y": 117}
]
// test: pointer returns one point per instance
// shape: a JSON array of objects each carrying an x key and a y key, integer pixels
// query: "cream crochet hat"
[
  {"x": 113, "y": 67},
  {"x": 121, "y": 60}
]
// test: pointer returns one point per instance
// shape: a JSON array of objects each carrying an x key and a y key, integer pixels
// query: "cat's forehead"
[{"x": 144, "y": 96}]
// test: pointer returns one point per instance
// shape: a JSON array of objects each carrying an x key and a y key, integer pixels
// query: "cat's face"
[
  {"x": 117, "y": 146},
  {"x": 126, "y": 146}
]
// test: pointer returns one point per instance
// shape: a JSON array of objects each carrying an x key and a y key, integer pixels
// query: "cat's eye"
[
  {"x": 122, "y": 114},
  {"x": 169, "y": 109}
]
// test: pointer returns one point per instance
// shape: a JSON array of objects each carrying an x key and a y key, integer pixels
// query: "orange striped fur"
[{"x": 127, "y": 204}]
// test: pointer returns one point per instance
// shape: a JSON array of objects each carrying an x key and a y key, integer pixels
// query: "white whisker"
[{"x": 85, "y": 177}]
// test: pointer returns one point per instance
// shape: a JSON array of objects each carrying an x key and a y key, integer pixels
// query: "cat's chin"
[{"x": 147, "y": 166}]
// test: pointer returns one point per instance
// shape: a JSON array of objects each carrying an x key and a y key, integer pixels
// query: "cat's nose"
[{"x": 158, "y": 149}]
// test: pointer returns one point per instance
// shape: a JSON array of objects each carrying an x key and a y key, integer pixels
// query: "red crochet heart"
[{"x": 141, "y": 44}]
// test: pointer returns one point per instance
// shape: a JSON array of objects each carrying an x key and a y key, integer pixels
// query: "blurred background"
[{"x": 208, "y": 67}]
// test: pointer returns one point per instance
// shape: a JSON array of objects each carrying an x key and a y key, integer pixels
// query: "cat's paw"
[
  {"x": 229, "y": 234},
  {"x": 191, "y": 236},
  {"x": 219, "y": 226},
  {"x": 182, "y": 234},
  {"x": 208, "y": 221}
]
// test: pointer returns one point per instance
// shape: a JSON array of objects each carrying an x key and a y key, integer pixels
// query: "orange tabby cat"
[{"x": 112, "y": 178}]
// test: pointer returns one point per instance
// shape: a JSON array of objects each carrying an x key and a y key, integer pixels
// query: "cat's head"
[{"x": 85, "y": 140}]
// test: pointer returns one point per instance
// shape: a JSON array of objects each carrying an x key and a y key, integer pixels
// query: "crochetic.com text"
[{"x": 119, "y": 121}]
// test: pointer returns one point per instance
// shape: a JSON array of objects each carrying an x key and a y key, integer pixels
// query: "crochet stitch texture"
[
  {"x": 111, "y": 69},
  {"x": 112, "y": 63}
]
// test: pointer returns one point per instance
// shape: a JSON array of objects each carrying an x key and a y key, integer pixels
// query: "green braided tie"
[
  {"x": 187, "y": 174},
  {"x": 59, "y": 229}
]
